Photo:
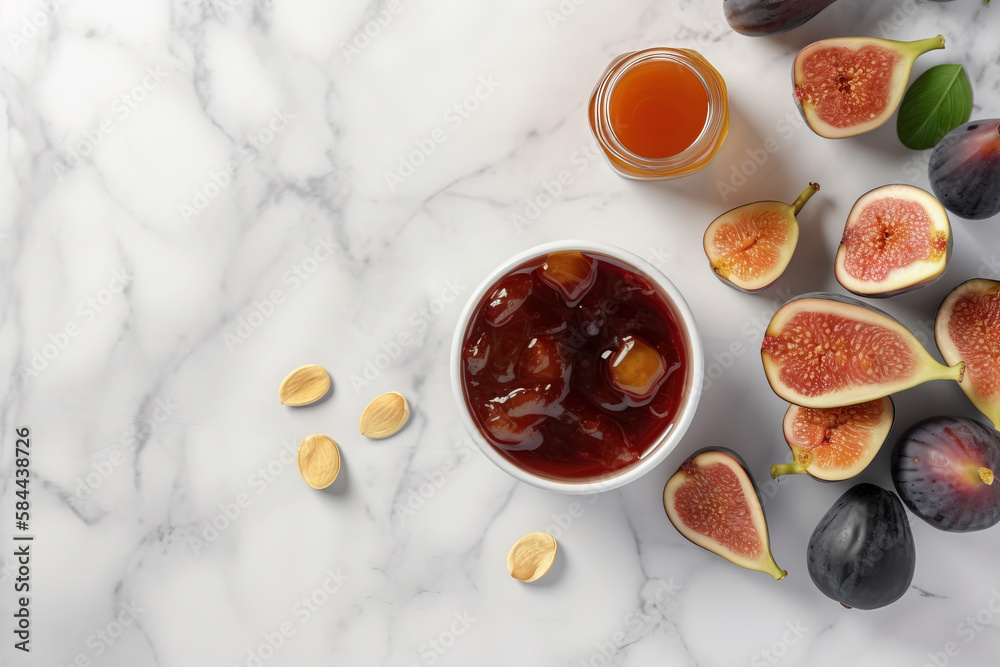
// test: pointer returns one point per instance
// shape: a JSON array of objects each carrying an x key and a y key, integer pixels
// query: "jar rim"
[{"x": 700, "y": 151}]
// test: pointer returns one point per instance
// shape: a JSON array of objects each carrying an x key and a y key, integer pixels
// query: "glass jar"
[{"x": 660, "y": 113}]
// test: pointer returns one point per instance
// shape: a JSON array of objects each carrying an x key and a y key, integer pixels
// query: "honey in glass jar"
[{"x": 660, "y": 113}]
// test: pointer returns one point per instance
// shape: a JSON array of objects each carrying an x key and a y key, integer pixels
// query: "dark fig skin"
[
  {"x": 937, "y": 467},
  {"x": 770, "y": 17},
  {"x": 861, "y": 553},
  {"x": 964, "y": 169}
]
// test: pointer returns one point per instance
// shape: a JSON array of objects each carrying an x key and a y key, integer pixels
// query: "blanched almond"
[
  {"x": 304, "y": 385},
  {"x": 319, "y": 461},
  {"x": 384, "y": 416},
  {"x": 532, "y": 556}
]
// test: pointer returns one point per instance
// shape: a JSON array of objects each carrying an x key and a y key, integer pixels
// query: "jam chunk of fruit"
[
  {"x": 542, "y": 359},
  {"x": 477, "y": 352},
  {"x": 508, "y": 342},
  {"x": 508, "y": 296},
  {"x": 636, "y": 368},
  {"x": 571, "y": 273},
  {"x": 512, "y": 432},
  {"x": 539, "y": 398}
]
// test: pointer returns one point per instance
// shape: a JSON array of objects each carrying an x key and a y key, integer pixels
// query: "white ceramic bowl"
[{"x": 672, "y": 433}]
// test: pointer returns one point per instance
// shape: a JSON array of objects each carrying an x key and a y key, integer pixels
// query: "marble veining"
[{"x": 199, "y": 196}]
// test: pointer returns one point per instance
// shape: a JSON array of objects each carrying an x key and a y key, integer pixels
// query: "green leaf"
[{"x": 938, "y": 101}]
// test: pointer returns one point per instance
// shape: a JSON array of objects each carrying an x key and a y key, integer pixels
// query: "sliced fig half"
[
  {"x": 967, "y": 328},
  {"x": 850, "y": 85},
  {"x": 712, "y": 501},
  {"x": 826, "y": 351},
  {"x": 750, "y": 246},
  {"x": 897, "y": 238},
  {"x": 944, "y": 469},
  {"x": 835, "y": 443}
]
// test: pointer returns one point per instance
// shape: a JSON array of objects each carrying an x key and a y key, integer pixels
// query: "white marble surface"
[{"x": 198, "y": 192}]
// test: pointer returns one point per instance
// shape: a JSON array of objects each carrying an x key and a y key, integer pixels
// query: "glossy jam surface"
[
  {"x": 658, "y": 108},
  {"x": 573, "y": 365}
]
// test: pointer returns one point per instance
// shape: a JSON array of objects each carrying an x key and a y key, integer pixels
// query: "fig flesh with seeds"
[
  {"x": 750, "y": 246},
  {"x": 835, "y": 443},
  {"x": 967, "y": 329},
  {"x": 850, "y": 85},
  {"x": 826, "y": 351},
  {"x": 713, "y": 502},
  {"x": 897, "y": 238}
]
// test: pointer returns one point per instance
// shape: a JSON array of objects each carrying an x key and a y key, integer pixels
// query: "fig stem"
[
  {"x": 776, "y": 571},
  {"x": 921, "y": 46},
  {"x": 804, "y": 197},
  {"x": 942, "y": 372},
  {"x": 793, "y": 468},
  {"x": 986, "y": 475}
]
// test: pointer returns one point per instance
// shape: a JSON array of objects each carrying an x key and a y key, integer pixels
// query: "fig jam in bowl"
[{"x": 577, "y": 366}]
